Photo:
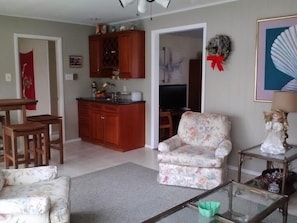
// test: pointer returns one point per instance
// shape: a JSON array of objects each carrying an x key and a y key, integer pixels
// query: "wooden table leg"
[{"x": 241, "y": 159}]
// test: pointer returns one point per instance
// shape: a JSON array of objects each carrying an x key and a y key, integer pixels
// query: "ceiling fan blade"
[
  {"x": 142, "y": 6},
  {"x": 164, "y": 3},
  {"x": 124, "y": 3}
]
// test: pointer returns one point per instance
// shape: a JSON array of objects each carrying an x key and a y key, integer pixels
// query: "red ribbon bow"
[{"x": 216, "y": 60}]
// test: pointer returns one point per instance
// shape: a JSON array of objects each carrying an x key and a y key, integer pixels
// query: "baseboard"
[
  {"x": 73, "y": 140},
  {"x": 246, "y": 171}
]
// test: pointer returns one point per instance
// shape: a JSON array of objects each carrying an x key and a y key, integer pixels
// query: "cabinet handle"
[
  {"x": 102, "y": 117},
  {"x": 113, "y": 52}
]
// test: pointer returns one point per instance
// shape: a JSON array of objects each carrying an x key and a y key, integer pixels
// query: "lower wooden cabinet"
[
  {"x": 84, "y": 120},
  {"x": 120, "y": 127}
]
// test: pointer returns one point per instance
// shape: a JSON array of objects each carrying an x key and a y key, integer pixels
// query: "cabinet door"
[
  {"x": 97, "y": 129},
  {"x": 132, "y": 54},
  {"x": 97, "y": 122},
  {"x": 83, "y": 120},
  {"x": 95, "y": 57},
  {"x": 111, "y": 128},
  {"x": 125, "y": 62},
  {"x": 110, "y": 51}
]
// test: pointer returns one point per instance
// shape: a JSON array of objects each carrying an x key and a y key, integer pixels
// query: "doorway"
[
  {"x": 155, "y": 37},
  {"x": 55, "y": 95}
]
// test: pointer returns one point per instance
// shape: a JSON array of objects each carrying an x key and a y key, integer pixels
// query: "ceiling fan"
[{"x": 142, "y": 4}]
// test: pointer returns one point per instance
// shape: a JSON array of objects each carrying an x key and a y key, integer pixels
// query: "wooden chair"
[
  {"x": 2, "y": 123},
  {"x": 35, "y": 142},
  {"x": 56, "y": 144},
  {"x": 165, "y": 125}
]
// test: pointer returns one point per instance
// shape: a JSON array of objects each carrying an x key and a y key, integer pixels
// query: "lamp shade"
[
  {"x": 285, "y": 101},
  {"x": 142, "y": 6}
]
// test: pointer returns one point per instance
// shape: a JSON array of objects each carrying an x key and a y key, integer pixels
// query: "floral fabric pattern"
[
  {"x": 40, "y": 197},
  {"x": 195, "y": 177},
  {"x": 29, "y": 175},
  {"x": 196, "y": 156},
  {"x": 204, "y": 129},
  {"x": 2, "y": 179}
]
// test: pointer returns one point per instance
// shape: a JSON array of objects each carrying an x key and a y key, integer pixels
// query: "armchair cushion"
[
  {"x": 190, "y": 155},
  {"x": 204, "y": 129}
]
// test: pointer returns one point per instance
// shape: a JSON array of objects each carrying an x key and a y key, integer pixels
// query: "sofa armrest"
[
  {"x": 170, "y": 144},
  {"x": 29, "y": 175},
  {"x": 223, "y": 149},
  {"x": 25, "y": 205}
]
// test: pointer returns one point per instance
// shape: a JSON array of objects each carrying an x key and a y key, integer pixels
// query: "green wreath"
[
  {"x": 219, "y": 49},
  {"x": 219, "y": 45}
]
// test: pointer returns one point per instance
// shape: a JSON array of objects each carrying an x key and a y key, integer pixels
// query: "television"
[{"x": 172, "y": 96}]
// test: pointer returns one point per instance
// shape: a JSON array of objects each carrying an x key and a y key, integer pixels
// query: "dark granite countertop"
[{"x": 109, "y": 101}]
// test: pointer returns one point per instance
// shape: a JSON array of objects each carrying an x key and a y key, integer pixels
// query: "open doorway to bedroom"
[{"x": 158, "y": 76}]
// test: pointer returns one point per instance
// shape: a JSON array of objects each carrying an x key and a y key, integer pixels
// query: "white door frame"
[
  {"x": 155, "y": 38},
  {"x": 59, "y": 66}
]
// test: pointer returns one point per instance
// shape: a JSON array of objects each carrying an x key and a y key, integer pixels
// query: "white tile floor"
[{"x": 82, "y": 158}]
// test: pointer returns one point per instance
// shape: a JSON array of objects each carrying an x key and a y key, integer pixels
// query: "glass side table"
[{"x": 283, "y": 159}]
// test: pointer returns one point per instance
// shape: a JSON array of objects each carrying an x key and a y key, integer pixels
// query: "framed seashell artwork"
[{"x": 276, "y": 53}]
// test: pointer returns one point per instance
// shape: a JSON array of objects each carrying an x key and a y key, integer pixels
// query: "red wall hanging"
[{"x": 27, "y": 77}]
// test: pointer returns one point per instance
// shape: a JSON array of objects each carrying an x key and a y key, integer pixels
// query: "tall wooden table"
[{"x": 8, "y": 105}]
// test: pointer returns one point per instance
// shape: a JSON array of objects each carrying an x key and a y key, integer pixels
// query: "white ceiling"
[{"x": 91, "y": 12}]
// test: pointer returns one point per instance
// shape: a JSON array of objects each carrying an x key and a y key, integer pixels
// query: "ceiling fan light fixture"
[
  {"x": 142, "y": 6},
  {"x": 124, "y": 3},
  {"x": 164, "y": 3}
]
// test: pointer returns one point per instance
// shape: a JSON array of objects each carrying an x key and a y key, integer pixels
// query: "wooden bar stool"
[
  {"x": 56, "y": 144},
  {"x": 165, "y": 125},
  {"x": 35, "y": 146}
]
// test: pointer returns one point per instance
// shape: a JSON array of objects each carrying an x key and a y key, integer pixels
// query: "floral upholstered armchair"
[
  {"x": 197, "y": 156},
  {"x": 34, "y": 195}
]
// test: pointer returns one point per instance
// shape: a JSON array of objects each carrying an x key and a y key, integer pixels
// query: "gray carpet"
[{"x": 127, "y": 193}]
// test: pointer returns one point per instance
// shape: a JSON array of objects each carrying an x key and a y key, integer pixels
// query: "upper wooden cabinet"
[
  {"x": 120, "y": 51},
  {"x": 95, "y": 49}
]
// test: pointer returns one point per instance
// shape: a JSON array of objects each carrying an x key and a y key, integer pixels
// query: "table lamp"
[{"x": 285, "y": 101}]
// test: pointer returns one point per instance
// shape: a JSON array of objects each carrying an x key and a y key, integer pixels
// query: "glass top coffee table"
[{"x": 238, "y": 203}]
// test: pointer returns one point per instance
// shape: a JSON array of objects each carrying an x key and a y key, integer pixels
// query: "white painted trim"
[
  {"x": 59, "y": 65},
  {"x": 155, "y": 45},
  {"x": 73, "y": 140}
]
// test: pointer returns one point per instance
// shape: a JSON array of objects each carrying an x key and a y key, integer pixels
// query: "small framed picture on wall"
[{"x": 75, "y": 61}]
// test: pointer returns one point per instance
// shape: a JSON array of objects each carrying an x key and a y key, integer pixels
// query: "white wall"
[
  {"x": 182, "y": 49},
  {"x": 231, "y": 92}
]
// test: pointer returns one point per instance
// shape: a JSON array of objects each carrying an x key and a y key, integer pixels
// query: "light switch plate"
[
  {"x": 7, "y": 77},
  {"x": 68, "y": 77}
]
